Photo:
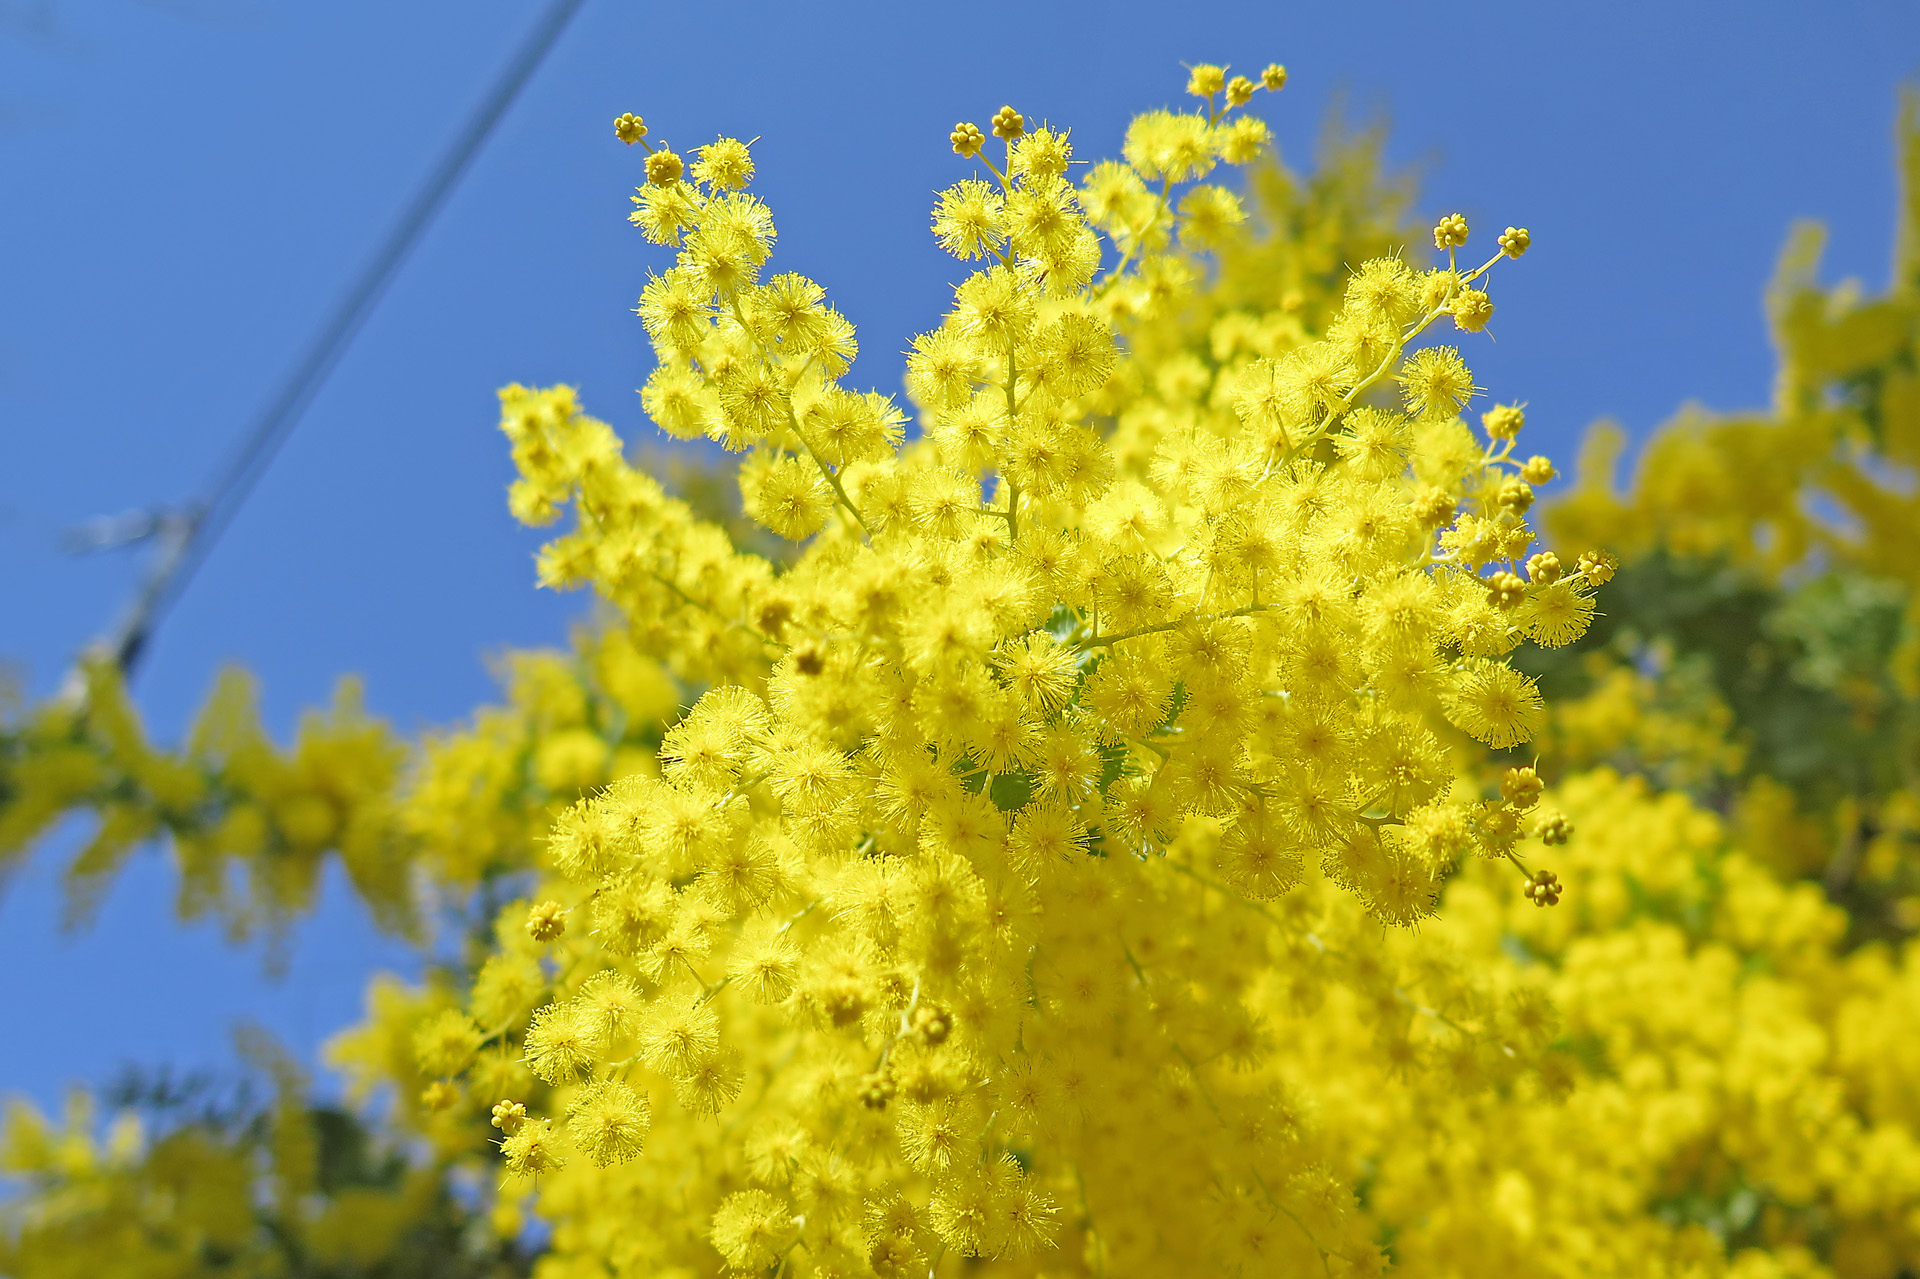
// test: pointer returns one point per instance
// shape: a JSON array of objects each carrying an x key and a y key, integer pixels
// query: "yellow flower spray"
[
  {"x": 898, "y": 957},
  {"x": 1025, "y": 890}
]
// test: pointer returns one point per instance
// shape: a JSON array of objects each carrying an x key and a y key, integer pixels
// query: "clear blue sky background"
[{"x": 190, "y": 183}]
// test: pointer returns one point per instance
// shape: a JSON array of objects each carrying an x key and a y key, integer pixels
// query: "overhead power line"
[{"x": 187, "y": 536}]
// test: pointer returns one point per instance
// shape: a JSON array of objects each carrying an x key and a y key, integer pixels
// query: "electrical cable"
[{"x": 186, "y": 537}]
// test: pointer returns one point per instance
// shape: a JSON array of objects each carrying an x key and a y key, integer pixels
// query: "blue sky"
[{"x": 192, "y": 182}]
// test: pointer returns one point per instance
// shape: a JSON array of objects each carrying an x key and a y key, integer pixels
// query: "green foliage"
[{"x": 1804, "y": 668}]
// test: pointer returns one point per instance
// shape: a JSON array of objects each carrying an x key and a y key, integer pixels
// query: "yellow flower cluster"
[
  {"x": 250, "y": 824},
  {"x": 286, "y": 1189},
  {"x": 1720, "y": 1096},
  {"x": 916, "y": 901},
  {"x": 1022, "y": 893},
  {"x": 1766, "y": 641},
  {"x": 477, "y": 800}
]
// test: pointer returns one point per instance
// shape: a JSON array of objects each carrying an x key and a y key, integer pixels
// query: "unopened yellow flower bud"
[
  {"x": 967, "y": 140},
  {"x": 1521, "y": 787},
  {"x": 1514, "y": 241},
  {"x": 1538, "y": 470},
  {"x": 1516, "y": 496},
  {"x": 546, "y": 921},
  {"x": 664, "y": 168},
  {"x": 1543, "y": 889},
  {"x": 1239, "y": 91},
  {"x": 1555, "y": 829},
  {"x": 932, "y": 1025},
  {"x": 1450, "y": 232},
  {"x": 629, "y": 128},
  {"x": 1503, "y": 421},
  {"x": 1274, "y": 78},
  {"x": 1471, "y": 310},
  {"x": 1598, "y": 567},
  {"x": 1206, "y": 80},
  {"x": 1544, "y": 568},
  {"x": 877, "y": 1089},
  {"x": 1008, "y": 123},
  {"x": 1504, "y": 589},
  {"x": 508, "y": 1116}
]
